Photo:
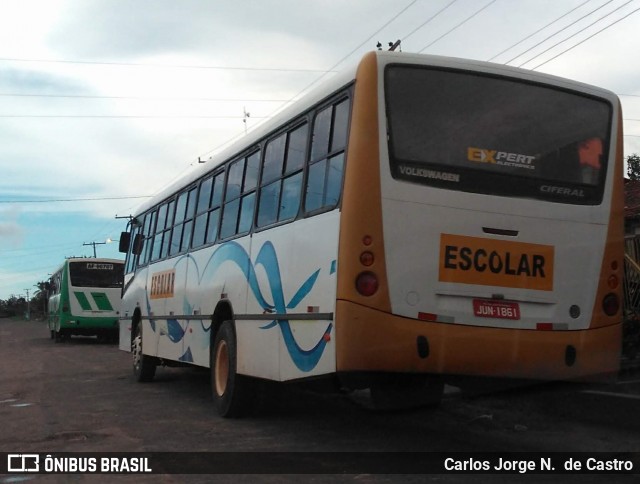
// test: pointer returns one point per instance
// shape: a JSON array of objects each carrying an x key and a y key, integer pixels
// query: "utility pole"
[
  {"x": 94, "y": 247},
  {"x": 28, "y": 305}
]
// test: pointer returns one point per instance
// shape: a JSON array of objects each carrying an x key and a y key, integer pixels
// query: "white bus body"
[{"x": 445, "y": 237}]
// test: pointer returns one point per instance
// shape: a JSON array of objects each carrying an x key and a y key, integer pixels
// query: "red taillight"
[
  {"x": 610, "y": 304},
  {"x": 366, "y": 258},
  {"x": 367, "y": 283}
]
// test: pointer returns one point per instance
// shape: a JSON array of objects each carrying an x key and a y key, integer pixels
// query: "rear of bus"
[
  {"x": 94, "y": 297},
  {"x": 481, "y": 229}
]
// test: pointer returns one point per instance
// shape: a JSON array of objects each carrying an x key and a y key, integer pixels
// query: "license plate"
[{"x": 484, "y": 308}]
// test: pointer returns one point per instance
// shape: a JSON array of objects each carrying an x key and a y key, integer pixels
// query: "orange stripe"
[
  {"x": 362, "y": 200},
  {"x": 384, "y": 342},
  {"x": 614, "y": 246}
]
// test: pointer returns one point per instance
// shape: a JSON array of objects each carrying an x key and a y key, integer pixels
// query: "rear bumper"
[
  {"x": 81, "y": 322},
  {"x": 370, "y": 340}
]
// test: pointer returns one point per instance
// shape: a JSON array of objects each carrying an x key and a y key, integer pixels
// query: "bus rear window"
[
  {"x": 96, "y": 274},
  {"x": 486, "y": 134}
]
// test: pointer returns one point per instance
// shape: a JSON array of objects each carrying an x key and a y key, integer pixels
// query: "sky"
[{"x": 105, "y": 102}]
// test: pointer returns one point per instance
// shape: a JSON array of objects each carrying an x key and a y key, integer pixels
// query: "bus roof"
[
  {"x": 87, "y": 259},
  {"x": 342, "y": 79},
  {"x": 251, "y": 139}
]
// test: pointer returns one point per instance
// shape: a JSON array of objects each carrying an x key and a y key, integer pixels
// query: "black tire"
[
  {"x": 56, "y": 333},
  {"x": 392, "y": 391},
  {"x": 231, "y": 392},
  {"x": 144, "y": 366}
]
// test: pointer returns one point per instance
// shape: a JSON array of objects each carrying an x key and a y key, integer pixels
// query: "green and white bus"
[{"x": 85, "y": 298}]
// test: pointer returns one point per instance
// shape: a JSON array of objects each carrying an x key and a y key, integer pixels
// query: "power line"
[
  {"x": 576, "y": 33},
  {"x": 141, "y": 98},
  {"x": 331, "y": 69},
  {"x": 559, "y": 31},
  {"x": 107, "y": 116},
  {"x": 537, "y": 31},
  {"x": 584, "y": 40},
  {"x": 457, "y": 26},
  {"x": 428, "y": 20},
  {"x": 176, "y": 66},
  {"x": 52, "y": 200}
]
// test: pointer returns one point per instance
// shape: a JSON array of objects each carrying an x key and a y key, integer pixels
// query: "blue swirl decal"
[
  {"x": 152, "y": 322},
  {"x": 187, "y": 356},
  {"x": 176, "y": 333},
  {"x": 305, "y": 360},
  {"x": 234, "y": 252}
]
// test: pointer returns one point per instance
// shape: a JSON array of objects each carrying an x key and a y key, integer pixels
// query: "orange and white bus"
[{"x": 414, "y": 219}]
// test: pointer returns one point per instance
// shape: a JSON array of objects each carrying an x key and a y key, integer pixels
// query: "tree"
[
  {"x": 633, "y": 166},
  {"x": 40, "y": 299}
]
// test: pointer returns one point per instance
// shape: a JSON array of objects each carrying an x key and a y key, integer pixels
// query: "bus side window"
[
  {"x": 202, "y": 212},
  {"x": 181, "y": 234},
  {"x": 232, "y": 200},
  {"x": 271, "y": 173},
  {"x": 166, "y": 241},
  {"x": 160, "y": 241},
  {"x": 292, "y": 182},
  {"x": 131, "y": 256},
  {"x": 147, "y": 234},
  {"x": 240, "y": 194},
  {"x": 188, "y": 221},
  {"x": 247, "y": 206},
  {"x": 326, "y": 166},
  {"x": 281, "y": 186}
]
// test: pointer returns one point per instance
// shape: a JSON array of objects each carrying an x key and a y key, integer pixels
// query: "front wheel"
[
  {"x": 144, "y": 366},
  {"x": 61, "y": 336},
  {"x": 231, "y": 392}
]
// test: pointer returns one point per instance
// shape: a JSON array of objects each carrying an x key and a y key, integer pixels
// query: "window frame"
[
  {"x": 330, "y": 154},
  {"x": 284, "y": 175},
  {"x": 306, "y": 118}
]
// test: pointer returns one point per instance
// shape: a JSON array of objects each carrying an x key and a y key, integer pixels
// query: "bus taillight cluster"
[
  {"x": 611, "y": 302},
  {"x": 367, "y": 281}
]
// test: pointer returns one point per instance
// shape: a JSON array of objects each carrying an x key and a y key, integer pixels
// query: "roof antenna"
[
  {"x": 244, "y": 118},
  {"x": 392, "y": 45}
]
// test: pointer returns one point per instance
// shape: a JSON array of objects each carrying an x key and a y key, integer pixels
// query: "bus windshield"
[
  {"x": 96, "y": 274},
  {"x": 494, "y": 135}
]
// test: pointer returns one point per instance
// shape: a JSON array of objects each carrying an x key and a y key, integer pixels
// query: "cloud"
[
  {"x": 27, "y": 81},
  {"x": 11, "y": 232}
]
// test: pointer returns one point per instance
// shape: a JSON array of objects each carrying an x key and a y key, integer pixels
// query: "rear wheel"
[
  {"x": 231, "y": 392},
  {"x": 391, "y": 391},
  {"x": 144, "y": 366}
]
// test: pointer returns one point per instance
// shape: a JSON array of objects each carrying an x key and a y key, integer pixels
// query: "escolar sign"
[{"x": 488, "y": 262}]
